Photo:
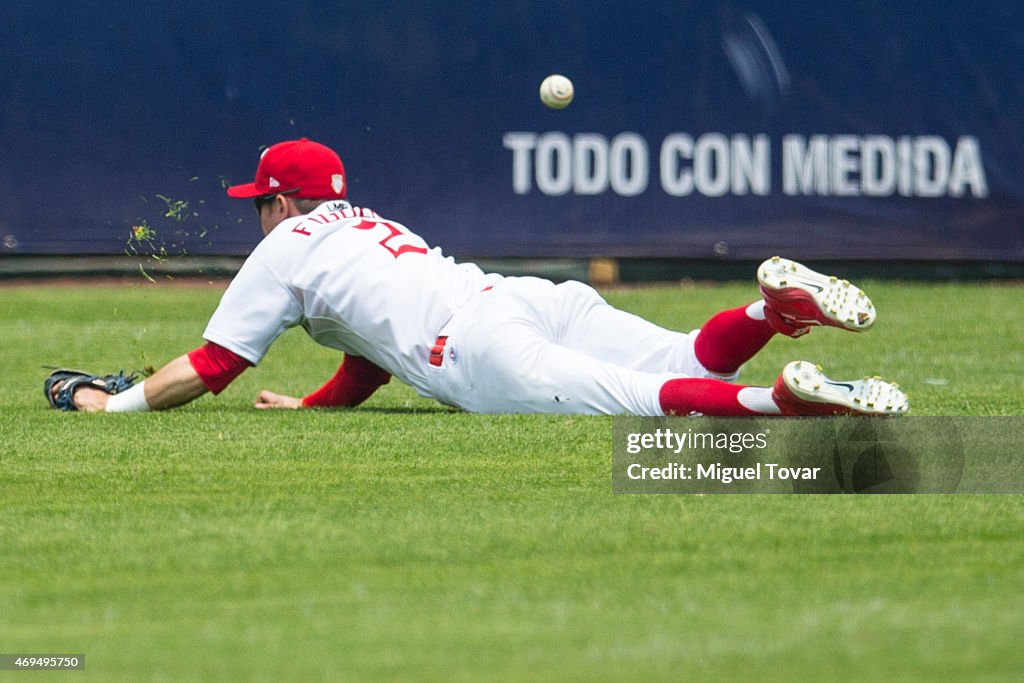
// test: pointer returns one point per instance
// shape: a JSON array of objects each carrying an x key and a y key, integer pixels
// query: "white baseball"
[{"x": 556, "y": 91}]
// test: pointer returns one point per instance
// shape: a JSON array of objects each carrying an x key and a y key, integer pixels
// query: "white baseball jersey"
[
  {"x": 355, "y": 281},
  {"x": 368, "y": 286}
]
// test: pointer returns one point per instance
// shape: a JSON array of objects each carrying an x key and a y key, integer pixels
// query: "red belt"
[{"x": 437, "y": 352}]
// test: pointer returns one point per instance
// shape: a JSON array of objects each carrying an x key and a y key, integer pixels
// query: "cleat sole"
[
  {"x": 803, "y": 297},
  {"x": 803, "y": 389}
]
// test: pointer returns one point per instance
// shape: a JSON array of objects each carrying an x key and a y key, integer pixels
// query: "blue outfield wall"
[{"x": 700, "y": 129}]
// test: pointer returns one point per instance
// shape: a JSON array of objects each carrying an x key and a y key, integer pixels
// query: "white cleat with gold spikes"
[
  {"x": 803, "y": 389},
  {"x": 797, "y": 297}
]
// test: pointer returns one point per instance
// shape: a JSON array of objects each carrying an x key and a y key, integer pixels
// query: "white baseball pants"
[{"x": 530, "y": 346}]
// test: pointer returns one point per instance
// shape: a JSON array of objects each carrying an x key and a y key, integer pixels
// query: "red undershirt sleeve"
[
  {"x": 217, "y": 366},
  {"x": 355, "y": 381}
]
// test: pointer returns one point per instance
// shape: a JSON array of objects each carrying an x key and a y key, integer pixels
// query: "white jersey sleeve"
[{"x": 254, "y": 311}]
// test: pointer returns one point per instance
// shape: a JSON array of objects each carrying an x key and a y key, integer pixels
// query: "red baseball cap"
[{"x": 300, "y": 168}]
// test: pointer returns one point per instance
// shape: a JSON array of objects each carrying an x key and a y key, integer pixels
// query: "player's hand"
[
  {"x": 86, "y": 399},
  {"x": 268, "y": 399},
  {"x": 89, "y": 400}
]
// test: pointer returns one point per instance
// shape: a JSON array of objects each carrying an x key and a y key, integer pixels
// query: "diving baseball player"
[{"x": 369, "y": 287}]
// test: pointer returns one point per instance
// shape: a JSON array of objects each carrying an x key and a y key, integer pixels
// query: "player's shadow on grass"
[
  {"x": 407, "y": 410},
  {"x": 425, "y": 410}
]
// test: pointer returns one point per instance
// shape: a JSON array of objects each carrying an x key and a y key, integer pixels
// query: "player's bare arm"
[{"x": 172, "y": 385}]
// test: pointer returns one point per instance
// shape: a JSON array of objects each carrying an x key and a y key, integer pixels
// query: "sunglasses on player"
[{"x": 264, "y": 199}]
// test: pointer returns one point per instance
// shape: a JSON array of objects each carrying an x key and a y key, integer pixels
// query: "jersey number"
[{"x": 393, "y": 241}]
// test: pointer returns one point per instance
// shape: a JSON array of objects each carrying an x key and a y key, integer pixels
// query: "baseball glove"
[{"x": 67, "y": 381}]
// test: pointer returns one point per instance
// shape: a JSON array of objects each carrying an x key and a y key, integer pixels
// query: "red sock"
[
  {"x": 730, "y": 339},
  {"x": 711, "y": 397}
]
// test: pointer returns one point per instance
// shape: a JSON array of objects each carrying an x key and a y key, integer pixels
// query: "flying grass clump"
[{"x": 146, "y": 242}]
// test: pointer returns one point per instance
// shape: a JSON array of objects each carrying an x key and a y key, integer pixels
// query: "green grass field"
[{"x": 406, "y": 541}]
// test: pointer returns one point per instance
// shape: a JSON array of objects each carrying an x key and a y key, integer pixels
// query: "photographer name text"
[{"x": 722, "y": 473}]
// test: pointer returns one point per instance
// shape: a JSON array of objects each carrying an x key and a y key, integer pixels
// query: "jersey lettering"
[
  {"x": 394, "y": 237},
  {"x": 393, "y": 241},
  {"x": 332, "y": 217}
]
